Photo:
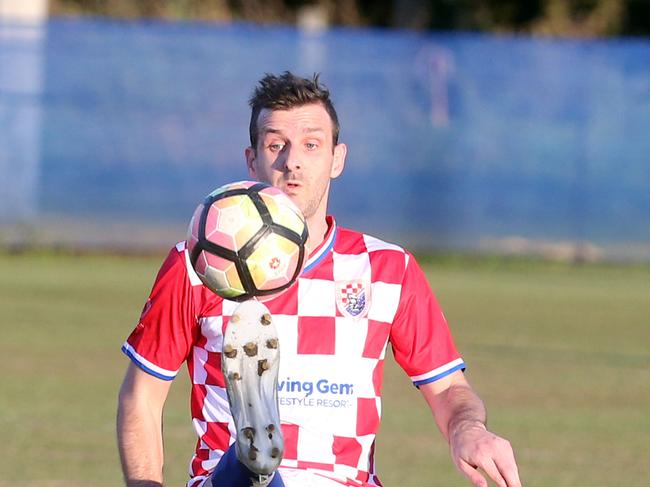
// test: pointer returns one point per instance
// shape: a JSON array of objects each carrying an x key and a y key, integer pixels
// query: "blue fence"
[{"x": 453, "y": 138}]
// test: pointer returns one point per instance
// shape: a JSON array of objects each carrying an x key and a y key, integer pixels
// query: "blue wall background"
[{"x": 452, "y": 137}]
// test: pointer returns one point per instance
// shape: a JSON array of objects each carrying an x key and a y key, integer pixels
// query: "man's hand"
[
  {"x": 461, "y": 416},
  {"x": 473, "y": 447}
]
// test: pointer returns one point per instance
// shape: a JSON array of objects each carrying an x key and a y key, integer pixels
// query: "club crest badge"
[{"x": 353, "y": 298}]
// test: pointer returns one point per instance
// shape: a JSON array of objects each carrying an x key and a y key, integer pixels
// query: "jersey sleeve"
[
  {"x": 420, "y": 337},
  {"x": 163, "y": 338}
]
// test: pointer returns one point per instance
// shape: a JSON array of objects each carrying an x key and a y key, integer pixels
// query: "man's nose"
[{"x": 291, "y": 158}]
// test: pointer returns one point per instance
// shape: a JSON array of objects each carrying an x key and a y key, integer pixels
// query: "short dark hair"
[{"x": 289, "y": 91}]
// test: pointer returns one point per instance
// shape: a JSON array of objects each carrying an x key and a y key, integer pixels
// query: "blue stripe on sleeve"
[
  {"x": 149, "y": 371},
  {"x": 440, "y": 375}
]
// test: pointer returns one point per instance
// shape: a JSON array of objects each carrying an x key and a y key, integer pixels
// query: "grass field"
[{"x": 560, "y": 354}]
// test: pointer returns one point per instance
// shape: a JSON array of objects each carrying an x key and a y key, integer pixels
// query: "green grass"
[{"x": 559, "y": 354}]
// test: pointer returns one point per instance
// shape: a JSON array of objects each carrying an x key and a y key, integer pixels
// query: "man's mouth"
[{"x": 291, "y": 185}]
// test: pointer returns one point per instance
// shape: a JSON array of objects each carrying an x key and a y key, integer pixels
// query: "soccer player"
[{"x": 356, "y": 295}]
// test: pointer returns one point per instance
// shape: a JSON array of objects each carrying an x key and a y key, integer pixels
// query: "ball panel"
[
  {"x": 230, "y": 187},
  {"x": 284, "y": 212},
  {"x": 273, "y": 264},
  {"x": 193, "y": 229},
  {"x": 219, "y": 274},
  {"x": 232, "y": 221},
  {"x": 201, "y": 265}
]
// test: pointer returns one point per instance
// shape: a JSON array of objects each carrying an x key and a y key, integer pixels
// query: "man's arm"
[
  {"x": 461, "y": 417},
  {"x": 139, "y": 427}
]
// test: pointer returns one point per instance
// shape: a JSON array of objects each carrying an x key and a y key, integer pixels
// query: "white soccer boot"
[{"x": 250, "y": 363}]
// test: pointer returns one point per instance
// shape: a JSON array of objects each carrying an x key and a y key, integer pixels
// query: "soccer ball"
[{"x": 247, "y": 239}]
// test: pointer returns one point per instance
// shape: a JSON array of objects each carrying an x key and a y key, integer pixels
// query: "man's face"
[{"x": 295, "y": 153}]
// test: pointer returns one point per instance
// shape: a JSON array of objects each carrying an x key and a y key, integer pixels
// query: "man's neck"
[{"x": 318, "y": 228}]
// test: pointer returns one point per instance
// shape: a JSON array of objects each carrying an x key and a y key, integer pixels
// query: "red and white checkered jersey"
[{"x": 355, "y": 295}]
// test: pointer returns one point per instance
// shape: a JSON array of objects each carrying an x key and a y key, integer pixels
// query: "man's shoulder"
[
  {"x": 353, "y": 241},
  {"x": 177, "y": 263},
  {"x": 178, "y": 277}
]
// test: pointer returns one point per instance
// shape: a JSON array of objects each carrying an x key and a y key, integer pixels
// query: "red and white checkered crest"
[{"x": 353, "y": 298}]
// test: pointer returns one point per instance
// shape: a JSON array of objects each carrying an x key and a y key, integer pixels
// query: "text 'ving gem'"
[{"x": 322, "y": 386}]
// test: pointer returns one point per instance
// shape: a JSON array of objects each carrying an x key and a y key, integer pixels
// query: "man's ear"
[
  {"x": 250, "y": 161},
  {"x": 340, "y": 152}
]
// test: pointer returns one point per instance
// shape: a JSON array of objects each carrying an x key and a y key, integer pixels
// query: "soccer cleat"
[{"x": 250, "y": 362}]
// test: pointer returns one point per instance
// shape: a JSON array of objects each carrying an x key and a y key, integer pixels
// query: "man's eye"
[
  {"x": 276, "y": 147},
  {"x": 311, "y": 146}
]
